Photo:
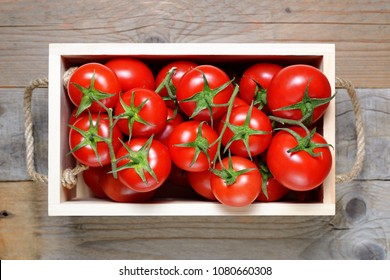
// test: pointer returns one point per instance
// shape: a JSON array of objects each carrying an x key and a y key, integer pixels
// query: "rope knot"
[{"x": 69, "y": 176}]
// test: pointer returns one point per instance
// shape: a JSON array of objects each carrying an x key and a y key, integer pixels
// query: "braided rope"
[
  {"x": 360, "y": 153},
  {"x": 28, "y": 129},
  {"x": 69, "y": 177}
]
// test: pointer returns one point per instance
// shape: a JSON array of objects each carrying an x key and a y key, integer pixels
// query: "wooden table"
[{"x": 361, "y": 227}]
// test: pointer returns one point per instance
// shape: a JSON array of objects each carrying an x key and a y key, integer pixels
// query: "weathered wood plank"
[
  {"x": 376, "y": 113},
  {"x": 375, "y": 106},
  {"x": 360, "y": 230},
  {"x": 12, "y": 143},
  {"x": 360, "y": 31}
]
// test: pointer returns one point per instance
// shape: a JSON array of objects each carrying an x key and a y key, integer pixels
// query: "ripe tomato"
[
  {"x": 200, "y": 182},
  {"x": 243, "y": 189},
  {"x": 132, "y": 73},
  {"x": 275, "y": 191},
  {"x": 299, "y": 84},
  {"x": 100, "y": 178},
  {"x": 172, "y": 122},
  {"x": 119, "y": 192},
  {"x": 85, "y": 139},
  {"x": 190, "y": 148},
  {"x": 182, "y": 66},
  {"x": 92, "y": 178},
  {"x": 91, "y": 82},
  {"x": 254, "y": 83},
  {"x": 197, "y": 94},
  {"x": 142, "y": 112},
  {"x": 143, "y": 164},
  {"x": 248, "y": 132},
  {"x": 298, "y": 170}
]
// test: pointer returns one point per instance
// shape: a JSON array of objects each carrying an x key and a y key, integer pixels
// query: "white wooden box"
[{"x": 79, "y": 202}]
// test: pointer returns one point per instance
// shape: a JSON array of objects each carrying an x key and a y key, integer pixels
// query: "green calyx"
[
  {"x": 90, "y": 95},
  {"x": 260, "y": 96},
  {"x": 204, "y": 98},
  {"x": 200, "y": 144},
  {"x": 168, "y": 85},
  {"x": 138, "y": 160},
  {"x": 307, "y": 105},
  {"x": 131, "y": 113},
  {"x": 305, "y": 143},
  {"x": 91, "y": 137},
  {"x": 229, "y": 175},
  {"x": 243, "y": 132},
  {"x": 171, "y": 89},
  {"x": 265, "y": 175}
]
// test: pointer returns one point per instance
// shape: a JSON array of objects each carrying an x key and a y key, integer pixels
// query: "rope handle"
[
  {"x": 360, "y": 152},
  {"x": 69, "y": 176}
]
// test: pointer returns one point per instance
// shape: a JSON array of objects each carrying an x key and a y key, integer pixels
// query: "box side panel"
[{"x": 329, "y": 129}]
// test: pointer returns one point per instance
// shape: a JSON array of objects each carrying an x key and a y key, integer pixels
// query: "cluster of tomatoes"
[{"x": 234, "y": 140}]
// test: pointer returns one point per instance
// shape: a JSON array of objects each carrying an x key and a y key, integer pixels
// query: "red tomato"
[
  {"x": 275, "y": 191},
  {"x": 245, "y": 188},
  {"x": 145, "y": 112},
  {"x": 255, "y": 81},
  {"x": 178, "y": 177},
  {"x": 182, "y": 66},
  {"x": 239, "y": 102},
  {"x": 172, "y": 122},
  {"x": 143, "y": 164},
  {"x": 288, "y": 87},
  {"x": 251, "y": 132},
  {"x": 236, "y": 103},
  {"x": 298, "y": 170},
  {"x": 200, "y": 182},
  {"x": 93, "y": 178},
  {"x": 85, "y": 139},
  {"x": 93, "y": 81},
  {"x": 132, "y": 73},
  {"x": 196, "y": 98},
  {"x": 189, "y": 148},
  {"x": 119, "y": 192},
  {"x": 100, "y": 178}
]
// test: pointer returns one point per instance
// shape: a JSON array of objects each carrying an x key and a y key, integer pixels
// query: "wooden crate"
[{"x": 79, "y": 201}]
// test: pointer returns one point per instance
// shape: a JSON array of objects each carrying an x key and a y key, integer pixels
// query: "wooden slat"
[
  {"x": 360, "y": 230},
  {"x": 360, "y": 31}
]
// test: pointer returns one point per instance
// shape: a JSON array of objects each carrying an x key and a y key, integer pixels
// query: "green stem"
[
  {"x": 228, "y": 113},
  {"x": 109, "y": 140},
  {"x": 288, "y": 121}
]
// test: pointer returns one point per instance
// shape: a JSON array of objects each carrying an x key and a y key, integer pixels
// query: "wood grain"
[
  {"x": 360, "y": 31},
  {"x": 27, "y": 231}
]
